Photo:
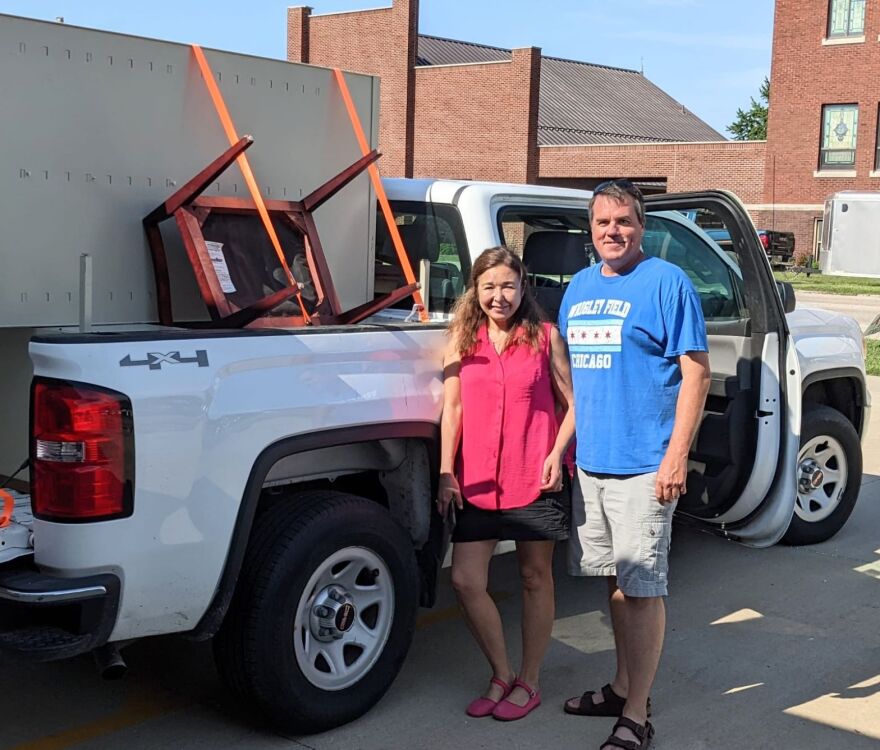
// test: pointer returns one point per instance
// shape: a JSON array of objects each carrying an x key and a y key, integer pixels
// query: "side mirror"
[{"x": 786, "y": 293}]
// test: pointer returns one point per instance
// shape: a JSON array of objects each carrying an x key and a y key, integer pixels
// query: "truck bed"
[{"x": 205, "y": 406}]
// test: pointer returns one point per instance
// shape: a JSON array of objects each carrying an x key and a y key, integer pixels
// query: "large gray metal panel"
[{"x": 100, "y": 128}]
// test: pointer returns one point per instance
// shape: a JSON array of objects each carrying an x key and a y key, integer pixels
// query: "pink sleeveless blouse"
[{"x": 509, "y": 423}]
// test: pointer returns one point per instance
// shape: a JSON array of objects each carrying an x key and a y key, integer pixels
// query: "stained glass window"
[
  {"x": 839, "y": 129},
  {"x": 846, "y": 18}
]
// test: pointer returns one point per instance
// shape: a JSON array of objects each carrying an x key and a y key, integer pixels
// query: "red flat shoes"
[
  {"x": 507, "y": 711},
  {"x": 483, "y": 706}
]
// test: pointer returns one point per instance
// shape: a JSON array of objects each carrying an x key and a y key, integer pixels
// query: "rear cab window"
[
  {"x": 554, "y": 243},
  {"x": 432, "y": 232}
]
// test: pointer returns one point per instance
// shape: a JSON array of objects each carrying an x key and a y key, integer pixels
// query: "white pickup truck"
[{"x": 272, "y": 488}]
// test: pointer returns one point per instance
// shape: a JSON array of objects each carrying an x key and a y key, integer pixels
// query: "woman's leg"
[
  {"x": 470, "y": 578},
  {"x": 536, "y": 570}
]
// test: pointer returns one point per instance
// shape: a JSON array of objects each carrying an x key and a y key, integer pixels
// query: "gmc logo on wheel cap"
[{"x": 345, "y": 617}]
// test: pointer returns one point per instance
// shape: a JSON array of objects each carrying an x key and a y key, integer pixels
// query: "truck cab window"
[
  {"x": 429, "y": 232},
  {"x": 710, "y": 265},
  {"x": 554, "y": 244}
]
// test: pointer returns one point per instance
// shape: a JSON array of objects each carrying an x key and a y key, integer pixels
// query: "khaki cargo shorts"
[{"x": 619, "y": 529}]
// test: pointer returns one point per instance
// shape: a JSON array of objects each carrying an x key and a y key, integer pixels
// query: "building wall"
[
  {"x": 805, "y": 75},
  {"x": 489, "y": 134},
  {"x": 479, "y": 121},
  {"x": 801, "y": 222},
  {"x": 737, "y": 166},
  {"x": 379, "y": 42},
  {"x": 808, "y": 72}
]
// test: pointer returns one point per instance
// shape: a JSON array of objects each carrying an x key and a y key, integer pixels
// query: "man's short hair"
[{"x": 620, "y": 191}]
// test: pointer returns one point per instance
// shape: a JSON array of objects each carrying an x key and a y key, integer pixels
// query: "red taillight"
[
  {"x": 82, "y": 452},
  {"x": 765, "y": 239}
]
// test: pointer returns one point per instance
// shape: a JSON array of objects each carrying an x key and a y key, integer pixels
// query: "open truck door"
[{"x": 741, "y": 479}]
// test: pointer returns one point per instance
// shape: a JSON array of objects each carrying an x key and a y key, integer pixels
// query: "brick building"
[
  {"x": 823, "y": 127},
  {"x": 464, "y": 110}
]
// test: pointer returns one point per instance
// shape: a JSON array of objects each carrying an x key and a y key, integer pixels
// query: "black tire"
[
  {"x": 267, "y": 661},
  {"x": 823, "y": 426}
]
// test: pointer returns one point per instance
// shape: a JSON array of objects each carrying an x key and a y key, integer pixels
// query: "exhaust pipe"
[{"x": 108, "y": 660}]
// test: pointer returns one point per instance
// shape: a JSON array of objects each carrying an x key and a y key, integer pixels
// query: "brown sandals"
[
  {"x": 612, "y": 704},
  {"x": 645, "y": 733}
]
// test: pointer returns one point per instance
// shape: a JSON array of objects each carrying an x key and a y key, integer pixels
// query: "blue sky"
[{"x": 709, "y": 55}]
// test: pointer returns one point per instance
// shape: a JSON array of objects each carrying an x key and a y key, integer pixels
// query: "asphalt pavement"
[
  {"x": 863, "y": 307},
  {"x": 765, "y": 648}
]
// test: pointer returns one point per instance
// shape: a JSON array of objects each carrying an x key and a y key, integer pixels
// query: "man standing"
[{"x": 637, "y": 343}]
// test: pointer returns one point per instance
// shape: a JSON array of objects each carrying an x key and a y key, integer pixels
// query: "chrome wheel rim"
[
  {"x": 344, "y": 618},
  {"x": 822, "y": 475}
]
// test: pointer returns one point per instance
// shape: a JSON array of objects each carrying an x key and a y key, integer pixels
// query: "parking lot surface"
[
  {"x": 863, "y": 307},
  {"x": 764, "y": 647}
]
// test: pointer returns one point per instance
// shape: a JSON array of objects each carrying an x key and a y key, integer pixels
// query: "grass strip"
[
  {"x": 872, "y": 361},
  {"x": 849, "y": 285}
]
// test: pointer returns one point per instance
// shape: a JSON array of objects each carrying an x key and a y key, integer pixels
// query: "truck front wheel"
[
  {"x": 323, "y": 614},
  {"x": 829, "y": 476}
]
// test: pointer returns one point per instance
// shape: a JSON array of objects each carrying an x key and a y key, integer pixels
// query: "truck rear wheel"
[
  {"x": 829, "y": 476},
  {"x": 323, "y": 614}
]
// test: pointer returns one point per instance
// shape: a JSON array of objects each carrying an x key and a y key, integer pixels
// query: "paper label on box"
[{"x": 215, "y": 253}]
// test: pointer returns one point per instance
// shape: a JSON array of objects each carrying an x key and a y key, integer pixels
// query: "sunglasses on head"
[{"x": 624, "y": 184}]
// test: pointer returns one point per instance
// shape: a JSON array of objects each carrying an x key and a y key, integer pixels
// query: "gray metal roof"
[
  {"x": 435, "y": 50},
  {"x": 586, "y": 103}
]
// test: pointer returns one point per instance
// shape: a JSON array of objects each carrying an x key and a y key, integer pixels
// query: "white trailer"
[{"x": 851, "y": 234}]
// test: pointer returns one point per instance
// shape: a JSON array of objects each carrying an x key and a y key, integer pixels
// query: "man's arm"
[{"x": 695, "y": 379}]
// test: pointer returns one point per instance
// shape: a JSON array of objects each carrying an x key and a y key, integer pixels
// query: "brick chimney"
[{"x": 298, "y": 33}]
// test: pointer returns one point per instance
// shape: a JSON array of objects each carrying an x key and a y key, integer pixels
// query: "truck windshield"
[{"x": 431, "y": 232}]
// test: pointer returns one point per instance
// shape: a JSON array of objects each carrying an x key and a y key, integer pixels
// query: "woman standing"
[{"x": 502, "y": 447}]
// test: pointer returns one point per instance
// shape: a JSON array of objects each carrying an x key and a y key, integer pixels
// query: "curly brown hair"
[{"x": 468, "y": 316}]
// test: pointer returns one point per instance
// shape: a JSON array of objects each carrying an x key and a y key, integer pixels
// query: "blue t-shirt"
[{"x": 624, "y": 334}]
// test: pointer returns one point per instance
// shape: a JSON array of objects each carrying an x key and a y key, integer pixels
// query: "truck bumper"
[{"x": 44, "y": 618}]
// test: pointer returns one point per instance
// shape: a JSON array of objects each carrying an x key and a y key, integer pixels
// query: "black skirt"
[{"x": 546, "y": 519}]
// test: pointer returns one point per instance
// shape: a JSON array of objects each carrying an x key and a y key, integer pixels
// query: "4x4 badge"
[{"x": 155, "y": 360}]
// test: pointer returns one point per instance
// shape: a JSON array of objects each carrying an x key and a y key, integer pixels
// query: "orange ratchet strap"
[
  {"x": 244, "y": 165},
  {"x": 380, "y": 193},
  {"x": 8, "y": 507}
]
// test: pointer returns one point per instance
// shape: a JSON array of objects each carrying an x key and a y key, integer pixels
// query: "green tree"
[{"x": 751, "y": 124}]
